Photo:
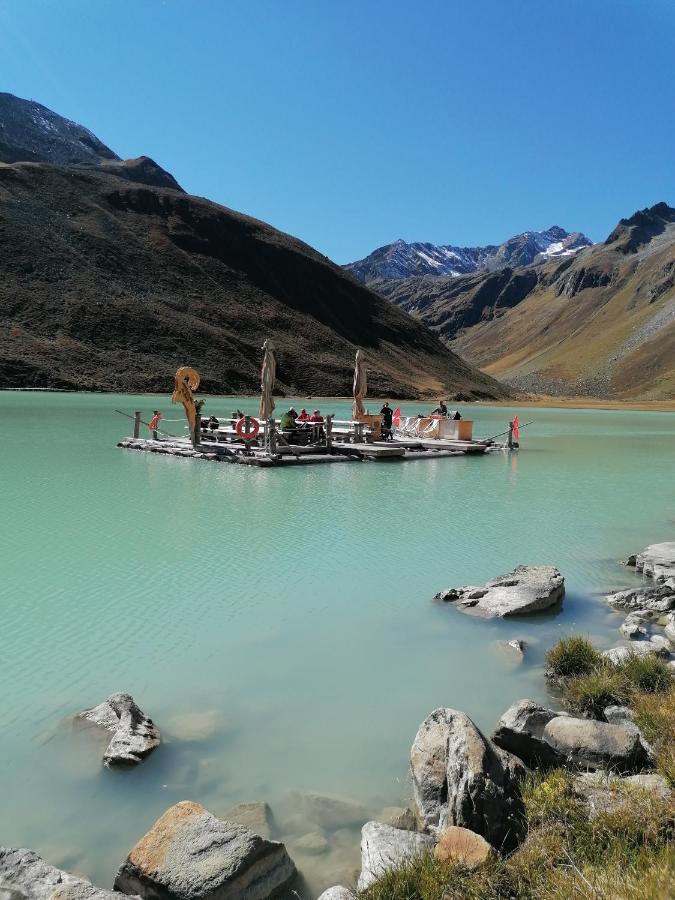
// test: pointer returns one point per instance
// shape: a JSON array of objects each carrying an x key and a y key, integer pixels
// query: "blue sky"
[{"x": 351, "y": 123}]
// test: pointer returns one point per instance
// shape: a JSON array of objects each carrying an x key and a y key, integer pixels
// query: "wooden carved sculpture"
[{"x": 187, "y": 381}]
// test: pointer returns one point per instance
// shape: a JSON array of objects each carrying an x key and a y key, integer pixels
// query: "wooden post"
[
  {"x": 137, "y": 424},
  {"x": 329, "y": 431},
  {"x": 509, "y": 442},
  {"x": 271, "y": 436}
]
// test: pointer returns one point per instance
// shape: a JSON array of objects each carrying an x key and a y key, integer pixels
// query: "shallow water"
[{"x": 278, "y": 625}]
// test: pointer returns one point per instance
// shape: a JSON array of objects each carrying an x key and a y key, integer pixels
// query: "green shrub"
[
  {"x": 648, "y": 674},
  {"x": 590, "y": 694},
  {"x": 572, "y": 656}
]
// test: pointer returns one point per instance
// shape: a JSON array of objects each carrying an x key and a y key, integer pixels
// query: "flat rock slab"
[
  {"x": 384, "y": 848},
  {"x": 24, "y": 874},
  {"x": 657, "y": 561},
  {"x": 189, "y": 854},
  {"x": 461, "y": 778},
  {"x": 588, "y": 744},
  {"x": 528, "y": 589},
  {"x": 461, "y": 846},
  {"x": 257, "y": 817},
  {"x": 658, "y": 598},
  {"x": 134, "y": 734}
]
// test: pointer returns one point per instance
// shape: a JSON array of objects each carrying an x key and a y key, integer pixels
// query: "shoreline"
[{"x": 537, "y": 402}]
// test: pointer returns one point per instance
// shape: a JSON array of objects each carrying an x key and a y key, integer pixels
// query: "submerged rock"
[
  {"x": 464, "y": 847},
  {"x": 399, "y": 817},
  {"x": 527, "y": 589},
  {"x": 657, "y": 561},
  {"x": 134, "y": 734},
  {"x": 312, "y": 844},
  {"x": 384, "y": 848},
  {"x": 189, "y": 854},
  {"x": 24, "y": 874},
  {"x": 257, "y": 817},
  {"x": 461, "y": 778},
  {"x": 326, "y": 811}
]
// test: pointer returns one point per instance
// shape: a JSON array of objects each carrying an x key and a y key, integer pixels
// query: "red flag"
[
  {"x": 154, "y": 422},
  {"x": 397, "y": 416},
  {"x": 516, "y": 432}
]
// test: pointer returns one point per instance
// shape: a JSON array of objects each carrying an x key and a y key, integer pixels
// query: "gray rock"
[
  {"x": 619, "y": 715},
  {"x": 461, "y": 778},
  {"x": 661, "y": 644},
  {"x": 520, "y": 731},
  {"x": 326, "y": 811},
  {"x": 657, "y": 561},
  {"x": 384, "y": 848},
  {"x": 527, "y": 589},
  {"x": 606, "y": 792},
  {"x": 189, "y": 854},
  {"x": 630, "y": 561},
  {"x": 618, "y": 655},
  {"x": 134, "y": 734},
  {"x": 24, "y": 874},
  {"x": 669, "y": 627},
  {"x": 257, "y": 817},
  {"x": 337, "y": 893},
  {"x": 632, "y": 629},
  {"x": 588, "y": 744},
  {"x": 645, "y": 597}
]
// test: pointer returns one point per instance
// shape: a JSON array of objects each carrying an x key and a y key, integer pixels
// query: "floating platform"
[{"x": 293, "y": 456}]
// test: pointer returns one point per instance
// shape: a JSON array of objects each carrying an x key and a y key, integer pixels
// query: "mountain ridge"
[{"x": 404, "y": 260}]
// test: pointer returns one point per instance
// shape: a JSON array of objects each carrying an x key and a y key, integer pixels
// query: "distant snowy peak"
[{"x": 403, "y": 260}]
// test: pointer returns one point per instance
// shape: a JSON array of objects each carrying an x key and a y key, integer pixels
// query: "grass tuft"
[
  {"x": 572, "y": 656},
  {"x": 648, "y": 674},
  {"x": 590, "y": 694}
]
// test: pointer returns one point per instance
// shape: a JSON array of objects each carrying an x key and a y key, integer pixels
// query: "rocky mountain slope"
[
  {"x": 598, "y": 323},
  {"x": 107, "y": 284},
  {"x": 29, "y": 132},
  {"x": 403, "y": 260}
]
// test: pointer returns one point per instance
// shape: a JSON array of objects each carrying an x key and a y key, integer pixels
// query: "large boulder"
[
  {"x": 657, "y": 561},
  {"x": 134, "y": 734},
  {"x": 24, "y": 874},
  {"x": 527, "y": 589},
  {"x": 189, "y": 854},
  {"x": 461, "y": 778},
  {"x": 460, "y": 846},
  {"x": 384, "y": 848},
  {"x": 520, "y": 731},
  {"x": 589, "y": 744}
]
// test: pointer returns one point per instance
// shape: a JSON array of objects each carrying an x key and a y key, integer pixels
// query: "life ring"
[{"x": 240, "y": 428}]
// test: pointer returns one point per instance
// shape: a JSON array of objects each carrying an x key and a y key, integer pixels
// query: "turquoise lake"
[{"x": 279, "y": 625}]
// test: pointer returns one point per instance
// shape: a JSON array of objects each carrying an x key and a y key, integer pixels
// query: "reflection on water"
[{"x": 278, "y": 626}]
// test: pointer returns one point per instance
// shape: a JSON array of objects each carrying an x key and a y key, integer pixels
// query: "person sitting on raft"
[
  {"x": 316, "y": 416},
  {"x": 304, "y": 415},
  {"x": 287, "y": 420},
  {"x": 441, "y": 410}
]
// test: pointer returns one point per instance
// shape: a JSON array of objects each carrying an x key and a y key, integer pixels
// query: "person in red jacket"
[
  {"x": 316, "y": 416},
  {"x": 304, "y": 416}
]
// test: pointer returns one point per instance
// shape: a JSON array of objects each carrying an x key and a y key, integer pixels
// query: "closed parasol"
[
  {"x": 360, "y": 386},
  {"x": 267, "y": 378}
]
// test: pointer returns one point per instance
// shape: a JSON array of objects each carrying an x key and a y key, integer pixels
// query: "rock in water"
[
  {"x": 520, "y": 731},
  {"x": 257, "y": 817},
  {"x": 588, "y": 744},
  {"x": 527, "y": 589},
  {"x": 188, "y": 854},
  {"x": 461, "y": 778},
  {"x": 134, "y": 734},
  {"x": 463, "y": 847},
  {"x": 384, "y": 848},
  {"x": 24, "y": 874},
  {"x": 617, "y": 655},
  {"x": 644, "y": 598},
  {"x": 657, "y": 561}
]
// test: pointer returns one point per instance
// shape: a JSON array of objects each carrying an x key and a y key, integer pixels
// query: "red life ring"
[{"x": 240, "y": 428}]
